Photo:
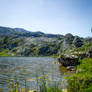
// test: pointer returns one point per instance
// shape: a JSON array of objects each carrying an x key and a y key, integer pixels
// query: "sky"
[{"x": 49, "y": 16}]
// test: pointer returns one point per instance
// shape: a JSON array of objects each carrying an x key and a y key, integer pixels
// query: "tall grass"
[{"x": 81, "y": 81}]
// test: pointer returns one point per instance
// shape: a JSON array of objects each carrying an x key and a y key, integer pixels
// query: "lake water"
[{"x": 29, "y": 69}]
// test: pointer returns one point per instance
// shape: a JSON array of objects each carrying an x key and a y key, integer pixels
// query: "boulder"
[
  {"x": 68, "y": 39},
  {"x": 71, "y": 68},
  {"x": 68, "y": 61},
  {"x": 77, "y": 41},
  {"x": 89, "y": 53},
  {"x": 88, "y": 39}
]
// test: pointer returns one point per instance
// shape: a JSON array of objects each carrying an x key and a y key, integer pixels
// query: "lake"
[{"x": 29, "y": 69}]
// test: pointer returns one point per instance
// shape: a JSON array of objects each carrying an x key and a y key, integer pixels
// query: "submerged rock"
[{"x": 71, "y": 68}]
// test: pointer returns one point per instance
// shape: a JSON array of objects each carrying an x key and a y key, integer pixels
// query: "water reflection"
[{"x": 28, "y": 68}]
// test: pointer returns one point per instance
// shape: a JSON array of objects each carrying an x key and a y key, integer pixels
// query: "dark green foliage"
[
  {"x": 9, "y": 42},
  {"x": 48, "y": 49}
]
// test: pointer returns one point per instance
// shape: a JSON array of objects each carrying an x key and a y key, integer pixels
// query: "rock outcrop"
[
  {"x": 89, "y": 53},
  {"x": 68, "y": 61},
  {"x": 68, "y": 39},
  {"x": 77, "y": 41}
]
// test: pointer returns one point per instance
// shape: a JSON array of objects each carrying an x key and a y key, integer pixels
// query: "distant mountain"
[
  {"x": 21, "y": 42},
  {"x": 20, "y": 30},
  {"x": 24, "y": 33},
  {"x": 11, "y": 31}
]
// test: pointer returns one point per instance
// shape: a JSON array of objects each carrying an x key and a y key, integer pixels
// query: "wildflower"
[
  {"x": 46, "y": 75},
  {"x": 31, "y": 79},
  {"x": 12, "y": 79},
  {"x": 64, "y": 77},
  {"x": 64, "y": 73},
  {"x": 40, "y": 77},
  {"x": 15, "y": 85}
]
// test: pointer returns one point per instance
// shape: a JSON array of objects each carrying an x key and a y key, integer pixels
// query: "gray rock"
[
  {"x": 68, "y": 61},
  {"x": 77, "y": 41},
  {"x": 89, "y": 53},
  {"x": 68, "y": 39},
  {"x": 71, "y": 68}
]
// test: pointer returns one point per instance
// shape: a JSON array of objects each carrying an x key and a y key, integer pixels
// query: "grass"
[
  {"x": 4, "y": 52},
  {"x": 81, "y": 81},
  {"x": 85, "y": 47}
]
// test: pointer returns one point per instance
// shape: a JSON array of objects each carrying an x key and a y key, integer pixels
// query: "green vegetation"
[
  {"x": 23, "y": 43},
  {"x": 19, "y": 42},
  {"x": 4, "y": 52},
  {"x": 81, "y": 81},
  {"x": 85, "y": 47},
  {"x": 18, "y": 47}
]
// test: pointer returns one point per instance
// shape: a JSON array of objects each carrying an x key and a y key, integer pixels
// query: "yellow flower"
[
  {"x": 64, "y": 73},
  {"x": 11, "y": 79},
  {"x": 46, "y": 75},
  {"x": 31, "y": 79},
  {"x": 15, "y": 85},
  {"x": 40, "y": 77}
]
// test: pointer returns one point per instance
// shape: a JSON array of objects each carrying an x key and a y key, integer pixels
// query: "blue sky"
[{"x": 49, "y": 16}]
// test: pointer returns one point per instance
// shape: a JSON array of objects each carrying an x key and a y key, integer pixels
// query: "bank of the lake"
[{"x": 81, "y": 80}]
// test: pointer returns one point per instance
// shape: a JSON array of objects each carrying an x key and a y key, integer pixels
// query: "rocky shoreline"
[
  {"x": 71, "y": 61},
  {"x": 68, "y": 62}
]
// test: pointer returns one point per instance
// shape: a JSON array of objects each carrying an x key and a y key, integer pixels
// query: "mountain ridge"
[
  {"x": 24, "y": 32},
  {"x": 20, "y": 42}
]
